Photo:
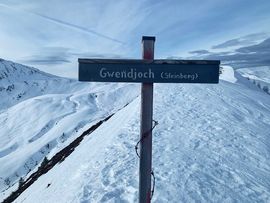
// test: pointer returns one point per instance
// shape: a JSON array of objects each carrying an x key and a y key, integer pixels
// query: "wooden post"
[{"x": 146, "y": 127}]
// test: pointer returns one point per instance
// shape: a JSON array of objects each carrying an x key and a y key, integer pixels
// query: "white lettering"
[
  {"x": 151, "y": 74},
  {"x": 117, "y": 74},
  {"x": 101, "y": 73},
  {"x": 132, "y": 74},
  {"x": 166, "y": 75}
]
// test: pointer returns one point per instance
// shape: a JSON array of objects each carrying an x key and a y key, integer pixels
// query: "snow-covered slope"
[
  {"x": 227, "y": 74},
  {"x": 258, "y": 73},
  {"x": 51, "y": 113},
  {"x": 211, "y": 145},
  {"x": 259, "y": 76},
  {"x": 19, "y": 82}
]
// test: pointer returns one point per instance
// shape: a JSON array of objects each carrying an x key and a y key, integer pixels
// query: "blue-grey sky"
[{"x": 52, "y": 34}]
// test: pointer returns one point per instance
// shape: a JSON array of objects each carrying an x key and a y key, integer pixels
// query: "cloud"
[
  {"x": 62, "y": 55},
  {"x": 249, "y": 56},
  {"x": 64, "y": 23},
  {"x": 200, "y": 52},
  {"x": 50, "y": 60},
  {"x": 97, "y": 29},
  {"x": 77, "y": 27},
  {"x": 263, "y": 47},
  {"x": 230, "y": 43},
  {"x": 97, "y": 55},
  {"x": 49, "y": 56},
  {"x": 241, "y": 41}
]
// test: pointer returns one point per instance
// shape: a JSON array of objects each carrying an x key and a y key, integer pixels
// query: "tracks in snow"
[
  {"x": 54, "y": 122},
  {"x": 57, "y": 158}
]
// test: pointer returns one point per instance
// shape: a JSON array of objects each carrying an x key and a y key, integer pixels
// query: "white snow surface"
[
  {"x": 19, "y": 82},
  {"x": 257, "y": 73},
  {"x": 228, "y": 74},
  {"x": 212, "y": 143},
  {"x": 259, "y": 76},
  {"x": 42, "y": 125}
]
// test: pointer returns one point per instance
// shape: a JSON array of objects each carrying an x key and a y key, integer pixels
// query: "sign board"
[{"x": 149, "y": 71}]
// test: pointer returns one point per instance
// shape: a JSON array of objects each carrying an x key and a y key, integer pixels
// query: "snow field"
[
  {"x": 211, "y": 145},
  {"x": 101, "y": 168},
  {"x": 50, "y": 119}
]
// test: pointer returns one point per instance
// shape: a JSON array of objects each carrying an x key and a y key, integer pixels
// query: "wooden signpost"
[{"x": 148, "y": 71}]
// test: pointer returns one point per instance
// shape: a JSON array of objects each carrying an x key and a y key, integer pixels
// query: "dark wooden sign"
[{"x": 149, "y": 71}]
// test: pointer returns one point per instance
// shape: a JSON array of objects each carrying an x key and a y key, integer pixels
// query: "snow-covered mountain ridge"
[
  {"x": 19, "y": 82},
  {"x": 211, "y": 144},
  {"x": 258, "y": 76},
  {"x": 50, "y": 113}
]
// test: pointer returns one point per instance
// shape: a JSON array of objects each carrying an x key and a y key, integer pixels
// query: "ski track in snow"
[
  {"x": 52, "y": 123},
  {"x": 9, "y": 150}
]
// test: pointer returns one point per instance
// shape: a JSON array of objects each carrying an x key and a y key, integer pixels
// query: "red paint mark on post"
[{"x": 148, "y": 55}]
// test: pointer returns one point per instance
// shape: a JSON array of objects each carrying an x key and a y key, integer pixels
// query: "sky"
[{"x": 52, "y": 34}]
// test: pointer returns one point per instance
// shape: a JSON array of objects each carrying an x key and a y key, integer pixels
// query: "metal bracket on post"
[{"x": 146, "y": 127}]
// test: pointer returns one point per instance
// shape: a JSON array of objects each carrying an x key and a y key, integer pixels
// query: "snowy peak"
[
  {"x": 14, "y": 72},
  {"x": 19, "y": 82}
]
